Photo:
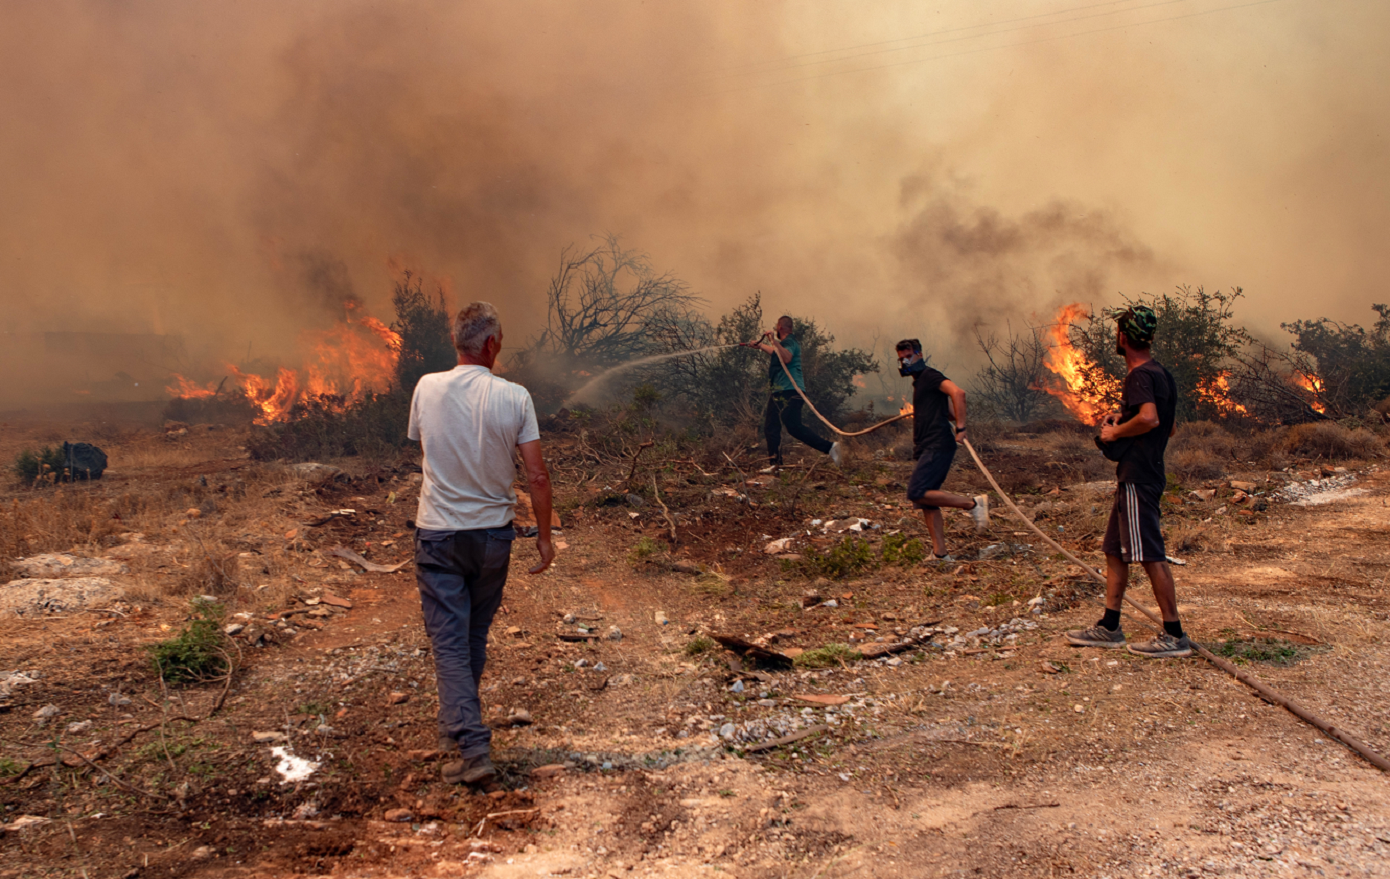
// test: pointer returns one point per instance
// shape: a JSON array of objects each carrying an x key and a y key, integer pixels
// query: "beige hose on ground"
[{"x": 1254, "y": 683}]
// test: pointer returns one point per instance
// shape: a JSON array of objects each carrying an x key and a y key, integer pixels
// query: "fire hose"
[{"x": 1263, "y": 690}]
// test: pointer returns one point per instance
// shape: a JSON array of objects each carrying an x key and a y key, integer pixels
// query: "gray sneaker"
[
  {"x": 1164, "y": 646},
  {"x": 1096, "y": 636},
  {"x": 837, "y": 454}
]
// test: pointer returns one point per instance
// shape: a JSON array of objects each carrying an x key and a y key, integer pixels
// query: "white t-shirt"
[{"x": 469, "y": 422}]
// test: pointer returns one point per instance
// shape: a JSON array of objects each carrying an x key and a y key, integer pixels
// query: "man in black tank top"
[{"x": 1136, "y": 437}]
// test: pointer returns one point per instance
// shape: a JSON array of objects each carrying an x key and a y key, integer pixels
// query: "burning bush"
[
  {"x": 423, "y": 327},
  {"x": 1343, "y": 368},
  {"x": 330, "y": 427},
  {"x": 1196, "y": 341}
]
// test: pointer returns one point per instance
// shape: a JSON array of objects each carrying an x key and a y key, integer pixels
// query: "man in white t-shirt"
[{"x": 469, "y": 423}]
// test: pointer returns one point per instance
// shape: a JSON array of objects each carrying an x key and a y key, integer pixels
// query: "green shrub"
[
  {"x": 196, "y": 653},
  {"x": 33, "y": 463},
  {"x": 1271, "y": 651},
  {"x": 899, "y": 549},
  {"x": 828, "y": 656},
  {"x": 850, "y": 556}
]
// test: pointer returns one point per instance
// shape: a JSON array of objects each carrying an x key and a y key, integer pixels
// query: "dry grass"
[{"x": 1327, "y": 439}]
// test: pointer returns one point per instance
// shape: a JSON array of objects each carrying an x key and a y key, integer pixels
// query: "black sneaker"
[
  {"x": 1096, "y": 636},
  {"x": 1164, "y": 646}
]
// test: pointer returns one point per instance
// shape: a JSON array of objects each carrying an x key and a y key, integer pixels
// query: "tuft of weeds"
[
  {"x": 8, "y": 767},
  {"x": 828, "y": 656},
  {"x": 1270, "y": 651},
  {"x": 195, "y": 654},
  {"x": 700, "y": 645},
  {"x": 711, "y": 585},
  {"x": 31, "y": 464},
  {"x": 645, "y": 551}
]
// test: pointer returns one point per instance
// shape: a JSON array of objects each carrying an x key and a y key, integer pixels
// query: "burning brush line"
[{"x": 353, "y": 358}]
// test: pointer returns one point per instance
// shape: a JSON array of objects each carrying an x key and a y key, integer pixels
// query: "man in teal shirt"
[{"x": 784, "y": 404}]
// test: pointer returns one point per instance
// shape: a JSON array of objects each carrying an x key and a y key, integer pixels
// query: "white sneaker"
[
  {"x": 837, "y": 454},
  {"x": 980, "y": 512}
]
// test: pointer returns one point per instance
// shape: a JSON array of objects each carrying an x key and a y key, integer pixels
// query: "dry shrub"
[
  {"x": 62, "y": 519},
  {"x": 1187, "y": 537},
  {"x": 1194, "y": 464},
  {"x": 212, "y": 571},
  {"x": 1327, "y": 439},
  {"x": 1269, "y": 448}
]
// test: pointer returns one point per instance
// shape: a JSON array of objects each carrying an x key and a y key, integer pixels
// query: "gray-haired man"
[{"x": 469, "y": 422}]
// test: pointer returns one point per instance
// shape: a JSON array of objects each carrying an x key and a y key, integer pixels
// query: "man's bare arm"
[
  {"x": 538, "y": 478},
  {"x": 775, "y": 347},
  {"x": 957, "y": 395}
]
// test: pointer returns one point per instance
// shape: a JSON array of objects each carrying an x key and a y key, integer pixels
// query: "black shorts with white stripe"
[{"x": 1134, "y": 532}]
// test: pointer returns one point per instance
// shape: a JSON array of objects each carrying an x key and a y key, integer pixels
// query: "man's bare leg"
[
  {"x": 939, "y": 498},
  {"x": 1165, "y": 590},
  {"x": 1116, "y": 581},
  {"x": 936, "y": 527}
]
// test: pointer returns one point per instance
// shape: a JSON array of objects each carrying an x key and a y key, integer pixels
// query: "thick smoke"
[{"x": 231, "y": 173}]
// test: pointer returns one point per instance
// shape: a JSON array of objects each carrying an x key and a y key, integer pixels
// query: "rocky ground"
[{"x": 906, "y": 718}]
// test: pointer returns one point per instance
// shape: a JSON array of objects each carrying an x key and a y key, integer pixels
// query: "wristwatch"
[{"x": 960, "y": 430}]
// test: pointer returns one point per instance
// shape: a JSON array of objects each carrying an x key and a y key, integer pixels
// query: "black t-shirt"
[
  {"x": 1149, "y": 382},
  {"x": 931, "y": 424}
]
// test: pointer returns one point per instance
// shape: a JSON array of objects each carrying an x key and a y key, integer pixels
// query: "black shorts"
[
  {"x": 930, "y": 472},
  {"x": 1134, "y": 533}
]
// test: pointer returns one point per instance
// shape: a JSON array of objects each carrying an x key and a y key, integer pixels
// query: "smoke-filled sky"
[{"x": 220, "y": 170}]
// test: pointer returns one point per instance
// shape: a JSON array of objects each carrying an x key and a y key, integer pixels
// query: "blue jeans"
[{"x": 461, "y": 575}]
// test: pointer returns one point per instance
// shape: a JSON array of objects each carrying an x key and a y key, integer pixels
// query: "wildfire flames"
[
  {"x": 1079, "y": 377},
  {"x": 1313, "y": 385},
  {"x": 353, "y": 358},
  {"x": 1217, "y": 393}
]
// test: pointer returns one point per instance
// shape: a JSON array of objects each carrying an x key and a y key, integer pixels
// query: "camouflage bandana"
[{"x": 1138, "y": 323}]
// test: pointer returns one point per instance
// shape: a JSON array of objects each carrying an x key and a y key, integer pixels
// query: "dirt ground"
[{"x": 986, "y": 747}]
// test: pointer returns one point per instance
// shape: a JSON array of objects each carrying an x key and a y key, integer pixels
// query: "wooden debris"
[
  {"x": 786, "y": 740},
  {"x": 749, "y": 650},
  {"x": 343, "y": 552},
  {"x": 885, "y": 648},
  {"x": 822, "y": 698}
]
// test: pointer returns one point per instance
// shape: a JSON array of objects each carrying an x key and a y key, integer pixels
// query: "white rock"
[
  {"x": 116, "y": 700},
  {"x": 23, "y": 597},
  {"x": 76, "y": 728},
  {"x": 47, "y": 712},
  {"x": 55, "y": 565}
]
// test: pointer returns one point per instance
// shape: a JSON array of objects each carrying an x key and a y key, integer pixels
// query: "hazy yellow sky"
[{"x": 885, "y": 167}]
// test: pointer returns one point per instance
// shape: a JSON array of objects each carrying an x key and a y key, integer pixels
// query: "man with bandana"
[
  {"x": 938, "y": 425},
  {"x": 1135, "y": 438}
]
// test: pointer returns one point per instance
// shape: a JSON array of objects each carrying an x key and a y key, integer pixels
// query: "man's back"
[{"x": 469, "y": 422}]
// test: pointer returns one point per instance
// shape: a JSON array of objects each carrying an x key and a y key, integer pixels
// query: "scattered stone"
[
  {"x": 599, "y": 666},
  {"x": 57, "y": 565},
  {"x": 78, "y": 727},
  {"x": 398, "y": 698},
  {"x": 581, "y": 663},
  {"x": 1048, "y": 668},
  {"x": 620, "y": 680},
  {"x": 47, "y": 713},
  {"x": 233, "y": 629},
  {"x": 1203, "y": 494},
  {"x": 116, "y": 700},
  {"x": 268, "y": 737},
  {"x": 1079, "y": 708},
  {"x": 831, "y": 603},
  {"x": 634, "y": 500},
  {"x": 780, "y": 545},
  {"x": 727, "y": 731},
  {"x": 568, "y": 619},
  {"x": 193, "y": 513},
  {"x": 203, "y": 853},
  {"x": 519, "y": 717},
  {"x": 514, "y": 631},
  {"x": 660, "y": 618},
  {"x": 614, "y": 633},
  {"x": 399, "y": 816},
  {"x": 737, "y": 687},
  {"x": 320, "y": 612},
  {"x": 39, "y": 596},
  {"x": 1247, "y": 487},
  {"x": 550, "y": 770}
]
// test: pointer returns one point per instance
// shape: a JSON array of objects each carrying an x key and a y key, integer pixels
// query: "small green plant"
[
  {"x": 8, "y": 767},
  {"x": 196, "y": 653},
  {"x": 1272, "y": 651},
  {"x": 899, "y": 549},
  {"x": 644, "y": 550},
  {"x": 853, "y": 555},
  {"x": 699, "y": 645},
  {"x": 34, "y": 463},
  {"x": 828, "y": 656},
  {"x": 711, "y": 586}
]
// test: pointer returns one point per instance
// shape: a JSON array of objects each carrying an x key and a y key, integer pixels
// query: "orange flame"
[
  {"x": 344, "y": 363},
  {"x": 1313, "y": 385},
  {"x": 1083, "y": 383},
  {"x": 1217, "y": 393},
  {"x": 906, "y": 409}
]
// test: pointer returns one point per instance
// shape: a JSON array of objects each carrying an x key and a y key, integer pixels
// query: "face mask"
[{"x": 913, "y": 365}]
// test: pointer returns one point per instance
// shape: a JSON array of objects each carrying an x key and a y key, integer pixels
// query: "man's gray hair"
[{"x": 474, "y": 326}]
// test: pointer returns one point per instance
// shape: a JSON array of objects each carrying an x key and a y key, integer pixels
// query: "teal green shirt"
[{"x": 777, "y": 377}]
